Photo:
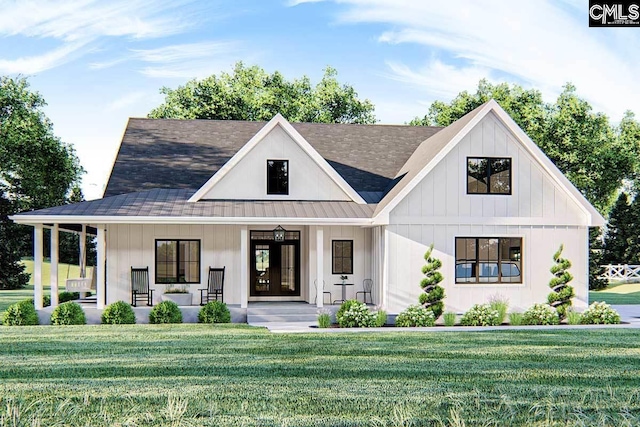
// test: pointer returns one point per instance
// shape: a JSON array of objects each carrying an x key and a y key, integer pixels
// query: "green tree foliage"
[
  {"x": 37, "y": 170},
  {"x": 593, "y": 154},
  {"x": 250, "y": 93},
  {"x": 561, "y": 292},
  {"x": 596, "y": 254},
  {"x": 619, "y": 232},
  {"x": 433, "y": 294},
  {"x": 12, "y": 274}
]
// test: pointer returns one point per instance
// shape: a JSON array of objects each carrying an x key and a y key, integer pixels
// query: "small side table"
[{"x": 344, "y": 291}]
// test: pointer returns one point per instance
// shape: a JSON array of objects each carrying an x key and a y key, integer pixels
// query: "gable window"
[
  {"x": 488, "y": 260},
  {"x": 177, "y": 261},
  {"x": 342, "y": 257},
  {"x": 488, "y": 175},
  {"x": 277, "y": 177}
]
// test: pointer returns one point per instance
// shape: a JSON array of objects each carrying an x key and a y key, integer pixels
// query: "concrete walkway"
[{"x": 629, "y": 314}]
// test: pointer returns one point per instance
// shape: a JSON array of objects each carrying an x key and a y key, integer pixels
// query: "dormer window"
[
  {"x": 488, "y": 175},
  {"x": 278, "y": 177}
]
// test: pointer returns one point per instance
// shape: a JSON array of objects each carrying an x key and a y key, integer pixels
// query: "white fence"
[{"x": 622, "y": 272}]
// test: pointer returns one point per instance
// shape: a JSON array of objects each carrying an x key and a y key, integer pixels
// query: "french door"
[{"x": 275, "y": 266}]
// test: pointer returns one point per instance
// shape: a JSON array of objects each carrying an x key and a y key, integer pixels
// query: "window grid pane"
[
  {"x": 177, "y": 261},
  {"x": 342, "y": 257},
  {"x": 488, "y": 175},
  {"x": 278, "y": 177},
  {"x": 488, "y": 260}
]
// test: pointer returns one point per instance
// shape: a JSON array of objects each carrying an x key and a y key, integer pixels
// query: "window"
[
  {"x": 342, "y": 257},
  {"x": 488, "y": 260},
  {"x": 277, "y": 177},
  {"x": 488, "y": 175},
  {"x": 177, "y": 261}
]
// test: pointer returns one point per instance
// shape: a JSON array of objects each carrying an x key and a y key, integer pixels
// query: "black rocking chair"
[
  {"x": 140, "y": 286},
  {"x": 367, "y": 286},
  {"x": 214, "y": 287}
]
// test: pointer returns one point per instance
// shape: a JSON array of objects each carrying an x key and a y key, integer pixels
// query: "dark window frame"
[
  {"x": 333, "y": 257},
  {"x": 499, "y": 262},
  {"x": 177, "y": 262},
  {"x": 276, "y": 189},
  {"x": 488, "y": 177}
]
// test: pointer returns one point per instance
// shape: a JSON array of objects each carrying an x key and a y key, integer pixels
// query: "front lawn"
[
  {"x": 620, "y": 293},
  {"x": 237, "y": 375}
]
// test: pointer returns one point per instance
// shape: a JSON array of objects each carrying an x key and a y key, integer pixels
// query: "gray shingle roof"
[
  {"x": 174, "y": 203},
  {"x": 184, "y": 154}
]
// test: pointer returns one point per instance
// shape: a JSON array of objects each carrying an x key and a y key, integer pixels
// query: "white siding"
[
  {"x": 248, "y": 179},
  {"x": 439, "y": 209}
]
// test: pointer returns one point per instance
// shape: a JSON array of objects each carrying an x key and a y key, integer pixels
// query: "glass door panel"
[
  {"x": 262, "y": 271},
  {"x": 287, "y": 268}
]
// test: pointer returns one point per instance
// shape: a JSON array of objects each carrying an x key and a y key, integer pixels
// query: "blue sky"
[{"x": 99, "y": 62}]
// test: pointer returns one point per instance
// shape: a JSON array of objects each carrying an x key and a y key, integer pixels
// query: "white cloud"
[
  {"x": 181, "y": 52},
  {"x": 39, "y": 63},
  {"x": 125, "y": 101},
  {"x": 297, "y": 2},
  {"x": 542, "y": 44}
]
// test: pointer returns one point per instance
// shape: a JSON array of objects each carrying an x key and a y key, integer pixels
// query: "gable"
[
  {"x": 435, "y": 189},
  {"x": 535, "y": 195},
  {"x": 244, "y": 177}
]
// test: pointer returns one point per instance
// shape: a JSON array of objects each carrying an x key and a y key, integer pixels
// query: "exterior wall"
[
  {"x": 439, "y": 209},
  {"x": 362, "y": 265},
  {"x": 248, "y": 179},
  {"x": 408, "y": 243},
  {"x": 131, "y": 245}
]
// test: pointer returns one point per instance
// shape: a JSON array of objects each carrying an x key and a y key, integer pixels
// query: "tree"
[
  {"x": 596, "y": 253},
  {"x": 619, "y": 232},
  {"x": 13, "y": 275},
  {"x": 250, "y": 93},
  {"x": 37, "y": 170},
  {"x": 594, "y": 155},
  {"x": 433, "y": 294},
  {"x": 561, "y": 292}
]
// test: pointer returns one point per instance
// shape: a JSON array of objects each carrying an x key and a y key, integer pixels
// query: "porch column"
[
  {"x": 244, "y": 267},
  {"x": 100, "y": 268},
  {"x": 37, "y": 266},
  {"x": 320, "y": 267},
  {"x": 385, "y": 266},
  {"x": 83, "y": 253},
  {"x": 54, "y": 265}
]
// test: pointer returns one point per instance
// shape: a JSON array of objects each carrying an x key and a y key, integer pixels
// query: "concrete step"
[{"x": 281, "y": 318}]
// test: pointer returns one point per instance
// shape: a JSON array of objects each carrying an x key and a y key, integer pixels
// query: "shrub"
[
  {"x": 46, "y": 301},
  {"x": 561, "y": 294},
  {"x": 324, "y": 320},
  {"x": 433, "y": 294},
  {"x": 118, "y": 313},
  {"x": 515, "y": 319},
  {"x": 480, "y": 315},
  {"x": 415, "y": 315},
  {"x": 381, "y": 318},
  {"x": 68, "y": 313},
  {"x": 356, "y": 316},
  {"x": 68, "y": 296},
  {"x": 346, "y": 306},
  {"x": 214, "y": 312},
  {"x": 450, "y": 318},
  {"x": 165, "y": 312},
  {"x": 500, "y": 305},
  {"x": 574, "y": 318},
  {"x": 20, "y": 314},
  {"x": 540, "y": 314},
  {"x": 600, "y": 313}
]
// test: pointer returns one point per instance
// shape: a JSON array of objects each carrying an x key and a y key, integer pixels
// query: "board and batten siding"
[
  {"x": 362, "y": 261},
  {"x": 133, "y": 245},
  {"x": 439, "y": 209},
  {"x": 247, "y": 180}
]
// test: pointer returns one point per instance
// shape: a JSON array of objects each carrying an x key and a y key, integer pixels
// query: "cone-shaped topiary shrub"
[
  {"x": 433, "y": 294},
  {"x": 561, "y": 294},
  {"x": 214, "y": 312},
  {"x": 20, "y": 314},
  {"x": 68, "y": 313},
  {"x": 118, "y": 313},
  {"x": 165, "y": 312}
]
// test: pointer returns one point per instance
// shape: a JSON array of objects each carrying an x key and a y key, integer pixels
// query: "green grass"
[
  {"x": 204, "y": 375},
  {"x": 619, "y": 293}
]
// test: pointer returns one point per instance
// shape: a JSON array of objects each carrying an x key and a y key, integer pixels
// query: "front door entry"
[{"x": 275, "y": 266}]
